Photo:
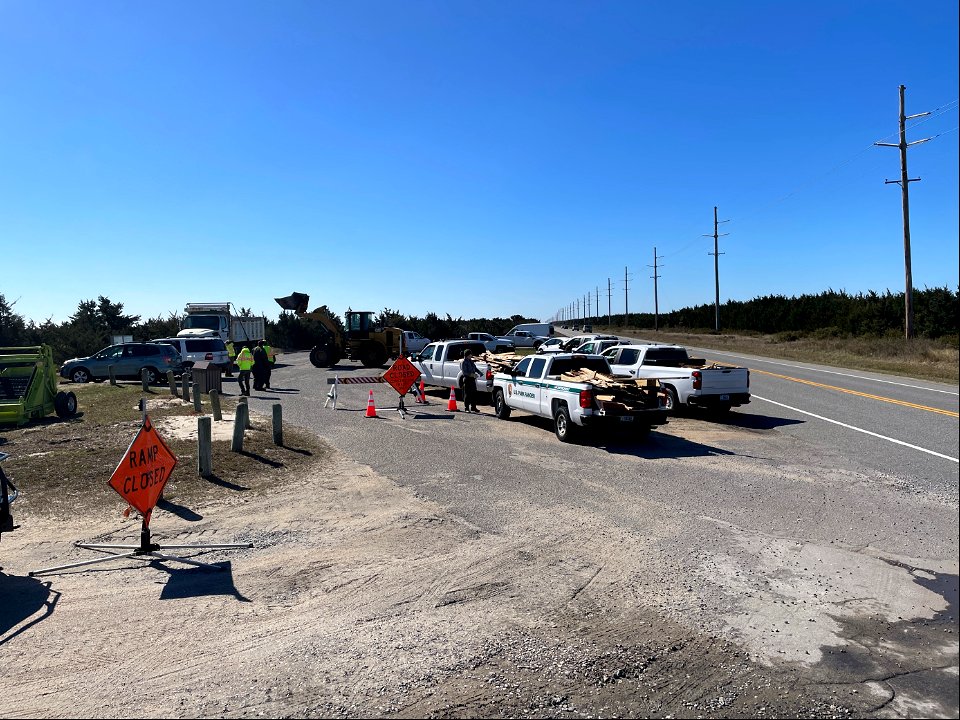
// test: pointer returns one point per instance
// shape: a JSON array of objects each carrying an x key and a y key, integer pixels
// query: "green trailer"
[{"x": 28, "y": 386}]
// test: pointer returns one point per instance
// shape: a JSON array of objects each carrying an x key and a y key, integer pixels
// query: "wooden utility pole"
[
  {"x": 609, "y": 294},
  {"x": 656, "y": 302},
  {"x": 904, "y": 183},
  {"x": 626, "y": 298},
  {"x": 716, "y": 267}
]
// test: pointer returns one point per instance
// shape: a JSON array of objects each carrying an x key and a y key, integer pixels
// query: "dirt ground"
[{"x": 357, "y": 599}]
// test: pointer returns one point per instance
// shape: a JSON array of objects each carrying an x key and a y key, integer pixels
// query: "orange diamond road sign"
[
  {"x": 144, "y": 469},
  {"x": 401, "y": 375}
]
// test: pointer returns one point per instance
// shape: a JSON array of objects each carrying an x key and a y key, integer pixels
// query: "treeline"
[
  {"x": 829, "y": 314},
  {"x": 96, "y": 322},
  {"x": 295, "y": 333}
]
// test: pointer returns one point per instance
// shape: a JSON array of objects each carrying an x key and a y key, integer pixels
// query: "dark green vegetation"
[
  {"x": 832, "y": 328},
  {"x": 830, "y": 314}
]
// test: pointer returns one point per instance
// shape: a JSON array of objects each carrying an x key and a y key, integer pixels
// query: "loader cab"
[{"x": 360, "y": 323}]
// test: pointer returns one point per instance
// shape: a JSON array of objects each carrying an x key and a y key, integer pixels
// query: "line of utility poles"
[{"x": 904, "y": 183}]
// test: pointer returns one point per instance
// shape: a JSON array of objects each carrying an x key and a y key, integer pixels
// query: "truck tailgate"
[{"x": 724, "y": 380}]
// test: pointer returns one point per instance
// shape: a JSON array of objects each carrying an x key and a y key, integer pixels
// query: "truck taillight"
[
  {"x": 586, "y": 398},
  {"x": 208, "y": 356},
  {"x": 697, "y": 379},
  {"x": 489, "y": 375}
]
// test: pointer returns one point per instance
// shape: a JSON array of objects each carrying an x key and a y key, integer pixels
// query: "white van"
[{"x": 537, "y": 329}]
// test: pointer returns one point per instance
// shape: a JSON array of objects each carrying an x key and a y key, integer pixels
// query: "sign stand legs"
[
  {"x": 145, "y": 549},
  {"x": 401, "y": 409}
]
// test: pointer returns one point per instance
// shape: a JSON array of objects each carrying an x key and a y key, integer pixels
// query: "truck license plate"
[
  {"x": 724, "y": 397},
  {"x": 626, "y": 418}
]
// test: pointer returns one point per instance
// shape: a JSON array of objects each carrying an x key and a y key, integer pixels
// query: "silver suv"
[
  {"x": 191, "y": 350},
  {"x": 128, "y": 360}
]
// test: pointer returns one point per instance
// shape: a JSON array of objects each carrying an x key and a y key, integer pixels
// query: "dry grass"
[
  {"x": 62, "y": 467},
  {"x": 919, "y": 358}
]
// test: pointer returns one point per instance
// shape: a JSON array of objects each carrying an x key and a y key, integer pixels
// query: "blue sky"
[{"x": 477, "y": 159}]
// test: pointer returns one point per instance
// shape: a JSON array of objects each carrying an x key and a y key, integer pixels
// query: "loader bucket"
[
  {"x": 296, "y": 302},
  {"x": 28, "y": 386}
]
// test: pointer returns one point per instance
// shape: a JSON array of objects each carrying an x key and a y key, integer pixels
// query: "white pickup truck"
[
  {"x": 413, "y": 342},
  {"x": 491, "y": 343},
  {"x": 537, "y": 385},
  {"x": 522, "y": 338},
  {"x": 439, "y": 364},
  {"x": 688, "y": 381}
]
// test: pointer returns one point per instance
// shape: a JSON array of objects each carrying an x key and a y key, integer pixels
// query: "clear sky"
[{"x": 474, "y": 158}]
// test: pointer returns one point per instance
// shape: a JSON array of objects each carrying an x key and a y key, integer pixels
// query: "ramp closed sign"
[{"x": 144, "y": 469}]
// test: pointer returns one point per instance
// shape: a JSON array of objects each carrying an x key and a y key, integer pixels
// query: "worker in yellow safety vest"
[
  {"x": 231, "y": 358},
  {"x": 245, "y": 363}
]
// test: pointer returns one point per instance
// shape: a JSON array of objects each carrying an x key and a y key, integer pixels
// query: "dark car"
[{"x": 127, "y": 361}]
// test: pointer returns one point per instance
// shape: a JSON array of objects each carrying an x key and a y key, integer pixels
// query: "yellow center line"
[{"x": 949, "y": 413}]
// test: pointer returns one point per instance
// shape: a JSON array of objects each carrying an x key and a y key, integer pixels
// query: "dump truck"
[
  {"x": 363, "y": 339},
  {"x": 28, "y": 386},
  {"x": 216, "y": 318}
]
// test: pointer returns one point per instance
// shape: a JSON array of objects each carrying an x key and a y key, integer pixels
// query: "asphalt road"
[
  {"x": 841, "y": 486},
  {"x": 894, "y": 425}
]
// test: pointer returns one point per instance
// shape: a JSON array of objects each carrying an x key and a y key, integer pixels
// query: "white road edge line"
[
  {"x": 829, "y": 372},
  {"x": 854, "y": 427}
]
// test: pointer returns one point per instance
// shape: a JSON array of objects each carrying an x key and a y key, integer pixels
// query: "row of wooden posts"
[{"x": 241, "y": 420}]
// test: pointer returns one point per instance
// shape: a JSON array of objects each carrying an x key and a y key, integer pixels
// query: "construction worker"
[
  {"x": 271, "y": 359},
  {"x": 231, "y": 358},
  {"x": 245, "y": 363}
]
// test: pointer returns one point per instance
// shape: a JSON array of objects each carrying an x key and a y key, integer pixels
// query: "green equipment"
[{"x": 28, "y": 386}]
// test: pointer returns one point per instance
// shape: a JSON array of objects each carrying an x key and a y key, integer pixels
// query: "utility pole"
[
  {"x": 904, "y": 183},
  {"x": 587, "y": 301},
  {"x": 626, "y": 304},
  {"x": 656, "y": 303},
  {"x": 597, "y": 288},
  {"x": 716, "y": 267},
  {"x": 609, "y": 294}
]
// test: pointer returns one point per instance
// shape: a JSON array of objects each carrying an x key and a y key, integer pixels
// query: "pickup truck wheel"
[
  {"x": 672, "y": 402},
  {"x": 500, "y": 407},
  {"x": 563, "y": 425}
]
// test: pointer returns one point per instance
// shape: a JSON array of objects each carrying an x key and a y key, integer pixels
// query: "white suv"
[{"x": 191, "y": 350}]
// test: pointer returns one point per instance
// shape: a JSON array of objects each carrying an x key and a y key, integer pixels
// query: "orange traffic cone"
[
  {"x": 423, "y": 394},
  {"x": 452, "y": 402},
  {"x": 371, "y": 408}
]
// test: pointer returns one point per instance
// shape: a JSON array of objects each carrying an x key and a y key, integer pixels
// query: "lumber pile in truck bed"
[
  {"x": 499, "y": 362},
  {"x": 617, "y": 395}
]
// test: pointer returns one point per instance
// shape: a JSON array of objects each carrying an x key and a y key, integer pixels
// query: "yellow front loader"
[{"x": 364, "y": 341}]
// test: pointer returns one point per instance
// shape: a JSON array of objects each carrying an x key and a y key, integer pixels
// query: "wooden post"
[
  {"x": 113, "y": 374},
  {"x": 185, "y": 387},
  {"x": 215, "y": 403},
  {"x": 239, "y": 423},
  {"x": 143, "y": 380},
  {"x": 172, "y": 383},
  {"x": 277, "y": 424},
  {"x": 247, "y": 424},
  {"x": 204, "y": 447},
  {"x": 197, "y": 401}
]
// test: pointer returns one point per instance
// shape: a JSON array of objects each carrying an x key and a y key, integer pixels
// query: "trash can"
[{"x": 206, "y": 377}]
